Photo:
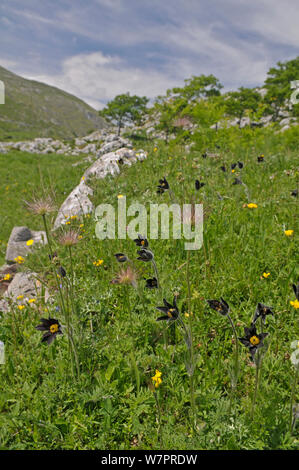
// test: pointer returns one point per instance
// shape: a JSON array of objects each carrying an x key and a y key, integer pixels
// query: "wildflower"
[
  {"x": 145, "y": 255},
  {"x": 198, "y": 185},
  {"x": 20, "y": 297},
  {"x": 233, "y": 166},
  {"x": 252, "y": 205},
  {"x": 51, "y": 327},
  {"x": 262, "y": 311},
  {"x": 53, "y": 256},
  {"x": 151, "y": 283},
  {"x": 98, "y": 262},
  {"x": 171, "y": 311},
  {"x": 261, "y": 158},
  {"x": 141, "y": 241},
  {"x": 157, "y": 378},
  {"x": 219, "y": 305},
  {"x": 121, "y": 258},
  {"x": 41, "y": 206},
  {"x": 253, "y": 340},
  {"x": 21, "y": 307},
  {"x": 19, "y": 259},
  {"x": 29, "y": 242},
  {"x": 163, "y": 186},
  {"x": 240, "y": 165},
  {"x": 120, "y": 196},
  {"x": 69, "y": 238},
  {"x": 31, "y": 301},
  {"x": 266, "y": 275},
  {"x": 289, "y": 233},
  {"x": 223, "y": 168},
  {"x": 295, "y": 303},
  {"x": 233, "y": 170},
  {"x": 6, "y": 277},
  {"x": 204, "y": 155},
  {"x": 126, "y": 276},
  {"x": 155, "y": 149},
  {"x": 294, "y": 193},
  {"x": 74, "y": 217},
  {"x": 61, "y": 272}
]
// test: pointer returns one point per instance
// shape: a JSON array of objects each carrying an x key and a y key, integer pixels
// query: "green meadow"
[{"x": 93, "y": 387}]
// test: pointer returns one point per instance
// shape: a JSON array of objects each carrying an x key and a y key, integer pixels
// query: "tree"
[
  {"x": 125, "y": 109},
  {"x": 238, "y": 102},
  {"x": 198, "y": 87},
  {"x": 278, "y": 84}
]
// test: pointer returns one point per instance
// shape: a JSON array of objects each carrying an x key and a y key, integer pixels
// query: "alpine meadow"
[{"x": 122, "y": 342}]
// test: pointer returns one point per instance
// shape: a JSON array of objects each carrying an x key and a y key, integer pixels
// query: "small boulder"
[{"x": 17, "y": 243}]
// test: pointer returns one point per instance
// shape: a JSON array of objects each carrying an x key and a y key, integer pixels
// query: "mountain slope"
[{"x": 34, "y": 109}]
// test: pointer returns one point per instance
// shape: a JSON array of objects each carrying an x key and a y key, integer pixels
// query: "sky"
[{"x": 97, "y": 49}]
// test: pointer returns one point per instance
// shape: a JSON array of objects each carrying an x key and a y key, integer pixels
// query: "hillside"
[{"x": 33, "y": 109}]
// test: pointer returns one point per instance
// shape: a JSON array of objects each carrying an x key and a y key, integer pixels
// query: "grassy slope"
[
  {"x": 33, "y": 109},
  {"x": 110, "y": 406}
]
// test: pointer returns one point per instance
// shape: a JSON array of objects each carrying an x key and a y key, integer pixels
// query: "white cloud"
[{"x": 96, "y": 78}]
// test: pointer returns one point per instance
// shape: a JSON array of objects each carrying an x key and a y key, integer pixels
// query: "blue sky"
[{"x": 97, "y": 49}]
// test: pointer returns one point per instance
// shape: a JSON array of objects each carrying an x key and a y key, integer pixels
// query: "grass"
[
  {"x": 24, "y": 174},
  {"x": 119, "y": 343}
]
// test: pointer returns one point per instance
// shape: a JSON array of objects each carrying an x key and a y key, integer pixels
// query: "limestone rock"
[
  {"x": 17, "y": 242},
  {"x": 77, "y": 203},
  {"x": 22, "y": 284}
]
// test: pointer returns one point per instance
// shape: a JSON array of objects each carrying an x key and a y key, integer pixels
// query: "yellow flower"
[
  {"x": 289, "y": 233},
  {"x": 7, "y": 277},
  {"x": 31, "y": 301},
  {"x": 265, "y": 275},
  {"x": 157, "y": 378},
  {"x": 294, "y": 303},
  {"x": 21, "y": 307},
  {"x": 252, "y": 205},
  {"x": 81, "y": 225},
  {"x": 20, "y": 297},
  {"x": 120, "y": 196},
  {"x": 98, "y": 262},
  {"x": 19, "y": 259},
  {"x": 67, "y": 223},
  {"x": 155, "y": 149},
  {"x": 233, "y": 171},
  {"x": 73, "y": 217},
  {"x": 29, "y": 242}
]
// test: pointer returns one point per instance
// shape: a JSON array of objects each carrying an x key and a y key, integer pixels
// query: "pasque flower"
[
  {"x": 141, "y": 241},
  {"x": 198, "y": 185},
  {"x": 151, "y": 283},
  {"x": 219, "y": 305},
  {"x": 145, "y": 255},
  {"x": 252, "y": 340},
  {"x": 51, "y": 327},
  {"x": 171, "y": 311},
  {"x": 262, "y": 311},
  {"x": 121, "y": 258},
  {"x": 163, "y": 186}
]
